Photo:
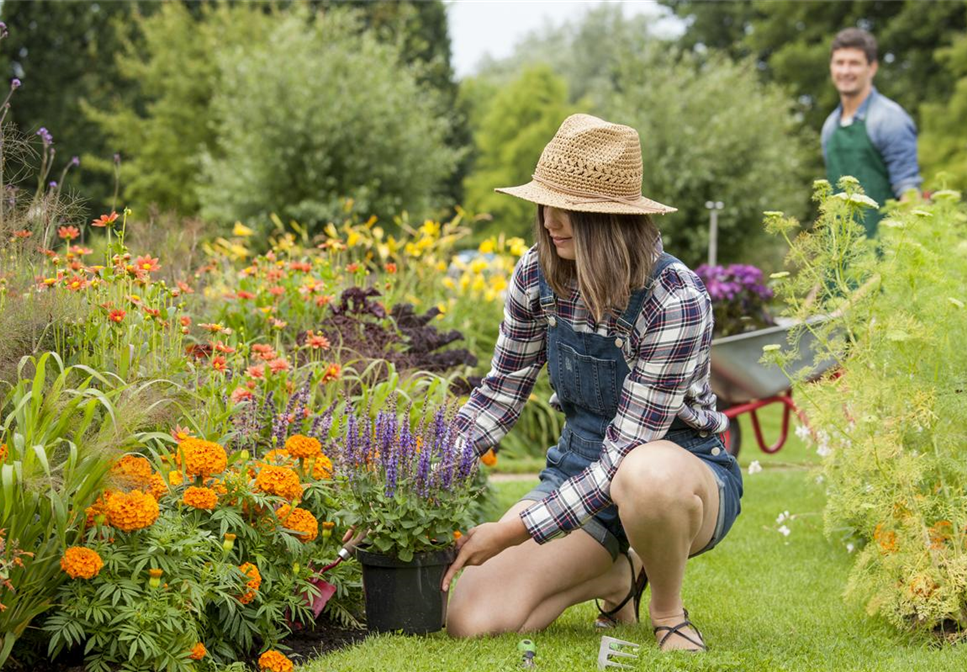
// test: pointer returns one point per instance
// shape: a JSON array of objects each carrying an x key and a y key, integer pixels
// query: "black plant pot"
[{"x": 405, "y": 595}]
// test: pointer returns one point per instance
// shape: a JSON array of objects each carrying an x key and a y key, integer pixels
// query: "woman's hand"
[{"x": 485, "y": 541}]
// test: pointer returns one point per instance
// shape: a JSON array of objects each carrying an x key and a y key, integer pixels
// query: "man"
[{"x": 868, "y": 135}]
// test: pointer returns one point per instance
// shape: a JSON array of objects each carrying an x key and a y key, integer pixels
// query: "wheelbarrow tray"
[{"x": 738, "y": 376}]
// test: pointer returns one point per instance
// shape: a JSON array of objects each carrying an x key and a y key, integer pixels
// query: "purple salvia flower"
[
  {"x": 75, "y": 160},
  {"x": 53, "y": 184},
  {"x": 14, "y": 84},
  {"x": 423, "y": 471},
  {"x": 45, "y": 135}
]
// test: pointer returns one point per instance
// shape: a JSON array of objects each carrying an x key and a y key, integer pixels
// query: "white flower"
[
  {"x": 823, "y": 450},
  {"x": 850, "y": 547},
  {"x": 783, "y": 517},
  {"x": 755, "y": 467},
  {"x": 858, "y": 199},
  {"x": 785, "y": 531},
  {"x": 772, "y": 347},
  {"x": 820, "y": 479},
  {"x": 802, "y": 431}
]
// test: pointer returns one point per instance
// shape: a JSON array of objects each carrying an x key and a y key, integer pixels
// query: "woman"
[{"x": 625, "y": 330}]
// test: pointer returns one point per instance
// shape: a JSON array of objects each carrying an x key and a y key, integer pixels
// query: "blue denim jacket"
[{"x": 892, "y": 132}]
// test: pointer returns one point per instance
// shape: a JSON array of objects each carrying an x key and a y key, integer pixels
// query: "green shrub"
[{"x": 892, "y": 425}]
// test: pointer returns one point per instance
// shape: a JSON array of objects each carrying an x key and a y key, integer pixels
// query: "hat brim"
[{"x": 535, "y": 192}]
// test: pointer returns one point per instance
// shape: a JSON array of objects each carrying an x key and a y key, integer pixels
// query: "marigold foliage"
[
  {"x": 202, "y": 458},
  {"x": 81, "y": 563},
  {"x": 129, "y": 511},
  {"x": 273, "y": 661},
  {"x": 200, "y": 498},
  {"x": 300, "y": 520}
]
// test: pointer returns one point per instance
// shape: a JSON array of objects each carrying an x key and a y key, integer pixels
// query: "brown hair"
[
  {"x": 614, "y": 255},
  {"x": 855, "y": 38}
]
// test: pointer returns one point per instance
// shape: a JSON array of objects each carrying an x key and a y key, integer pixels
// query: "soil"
[{"x": 303, "y": 645}]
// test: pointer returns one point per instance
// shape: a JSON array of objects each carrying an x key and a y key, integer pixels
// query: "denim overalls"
[{"x": 587, "y": 372}]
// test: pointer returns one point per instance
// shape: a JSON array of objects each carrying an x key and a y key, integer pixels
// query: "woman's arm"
[{"x": 519, "y": 355}]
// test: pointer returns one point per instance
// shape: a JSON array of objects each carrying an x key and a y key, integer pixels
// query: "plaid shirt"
[{"x": 668, "y": 355}]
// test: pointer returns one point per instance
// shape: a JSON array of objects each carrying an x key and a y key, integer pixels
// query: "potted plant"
[{"x": 411, "y": 489}]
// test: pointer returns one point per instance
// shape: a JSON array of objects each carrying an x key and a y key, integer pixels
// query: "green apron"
[{"x": 850, "y": 152}]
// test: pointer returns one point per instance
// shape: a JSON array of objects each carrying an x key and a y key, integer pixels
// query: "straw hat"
[{"x": 590, "y": 165}]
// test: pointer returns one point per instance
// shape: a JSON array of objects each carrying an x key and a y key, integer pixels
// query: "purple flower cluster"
[
  {"x": 738, "y": 295},
  {"x": 45, "y": 135},
  {"x": 425, "y": 462}
]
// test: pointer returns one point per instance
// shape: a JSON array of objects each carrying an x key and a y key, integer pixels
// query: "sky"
[{"x": 479, "y": 27}]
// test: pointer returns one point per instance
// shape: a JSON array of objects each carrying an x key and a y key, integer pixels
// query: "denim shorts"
[{"x": 605, "y": 527}]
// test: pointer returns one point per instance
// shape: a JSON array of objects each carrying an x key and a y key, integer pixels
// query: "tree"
[
  {"x": 943, "y": 141},
  {"x": 344, "y": 118},
  {"x": 522, "y": 118}
]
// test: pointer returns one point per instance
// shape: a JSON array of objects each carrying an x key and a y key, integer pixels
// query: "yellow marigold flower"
[
  {"x": 273, "y": 661},
  {"x": 280, "y": 481},
  {"x": 176, "y": 477},
  {"x": 157, "y": 486},
  {"x": 299, "y": 520},
  {"x": 81, "y": 563},
  {"x": 200, "y": 498},
  {"x": 203, "y": 458},
  {"x": 129, "y": 511},
  {"x": 322, "y": 468},
  {"x": 198, "y": 651},
  {"x": 300, "y": 446},
  {"x": 253, "y": 583},
  {"x": 131, "y": 472}
]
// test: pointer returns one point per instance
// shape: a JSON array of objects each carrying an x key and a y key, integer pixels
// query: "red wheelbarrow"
[{"x": 743, "y": 385}]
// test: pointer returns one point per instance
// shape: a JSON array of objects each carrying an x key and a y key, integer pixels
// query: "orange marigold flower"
[
  {"x": 176, "y": 477},
  {"x": 200, "y": 498},
  {"x": 117, "y": 315},
  {"x": 105, "y": 220},
  {"x": 273, "y": 661},
  {"x": 280, "y": 481},
  {"x": 3, "y": 452},
  {"x": 322, "y": 468},
  {"x": 203, "y": 458},
  {"x": 198, "y": 651},
  {"x": 300, "y": 446},
  {"x": 99, "y": 507},
  {"x": 81, "y": 563},
  {"x": 489, "y": 458},
  {"x": 277, "y": 456},
  {"x": 132, "y": 472},
  {"x": 457, "y": 534},
  {"x": 240, "y": 394},
  {"x": 333, "y": 372},
  {"x": 157, "y": 486},
  {"x": 147, "y": 263},
  {"x": 68, "y": 232},
  {"x": 299, "y": 520},
  {"x": 129, "y": 511},
  {"x": 279, "y": 365},
  {"x": 253, "y": 583}
]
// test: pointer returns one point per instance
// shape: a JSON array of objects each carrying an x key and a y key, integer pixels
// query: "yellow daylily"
[{"x": 242, "y": 230}]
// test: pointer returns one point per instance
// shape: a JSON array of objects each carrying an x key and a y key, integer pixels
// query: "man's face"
[{"x": 852, "y": 74}]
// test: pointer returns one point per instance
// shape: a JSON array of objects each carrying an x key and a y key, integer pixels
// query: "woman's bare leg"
[
  {"x": 668, "y": 502},
  {"x": 527, "y": 587}
]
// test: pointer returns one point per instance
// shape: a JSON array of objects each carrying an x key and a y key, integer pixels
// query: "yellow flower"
[
  {"x": 157, "y": 486},
  {"x": 322, "y": 468},
  {"x": 300, "y": 521},
  {"x": 200, "y": 498},
  {"x": 129, "y": 511},
  {"x": 203, "y": 458},
  {"x": 273, "y": 661},
  {"x": 81, "y": 563},
  {"x": 300, "y": 446},
  {"x": 132, "y": 471},
  {"x": 242, "y": 231},
  {"x": 487, "y": 246}
]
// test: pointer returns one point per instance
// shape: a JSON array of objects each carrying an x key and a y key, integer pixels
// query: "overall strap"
[
  {"x": 548, "y": 301},
  {"x": 626, "y": 321}
]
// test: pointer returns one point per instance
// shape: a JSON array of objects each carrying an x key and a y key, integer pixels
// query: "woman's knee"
[
  {"x": 652, "y": 478},
  {"x": 475, "y": 611}
]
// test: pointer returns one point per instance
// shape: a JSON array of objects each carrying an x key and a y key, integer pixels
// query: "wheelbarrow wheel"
[{"x": 732, "y": 437}]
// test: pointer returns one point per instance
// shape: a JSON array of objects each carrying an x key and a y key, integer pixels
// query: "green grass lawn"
[{"x": 763, "y": 601}]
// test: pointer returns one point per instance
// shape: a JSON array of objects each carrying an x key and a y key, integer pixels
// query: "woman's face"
[{"x": 558, "y": 225}]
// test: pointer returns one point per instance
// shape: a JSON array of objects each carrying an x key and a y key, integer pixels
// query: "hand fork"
[{"x": 611, "y": 647}]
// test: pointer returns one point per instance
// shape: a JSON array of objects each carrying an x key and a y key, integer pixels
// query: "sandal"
[
  {"x": 607, "y": 619},
  {"x": 677, "y": 630}
]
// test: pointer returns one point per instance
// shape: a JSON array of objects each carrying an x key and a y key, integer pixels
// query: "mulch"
[{"x": 324, "y": 637}]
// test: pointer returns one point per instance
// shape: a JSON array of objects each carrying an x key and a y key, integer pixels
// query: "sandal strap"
[
  {"x": 676, "y": 630},
  {"x": 638, "y": 584}
]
